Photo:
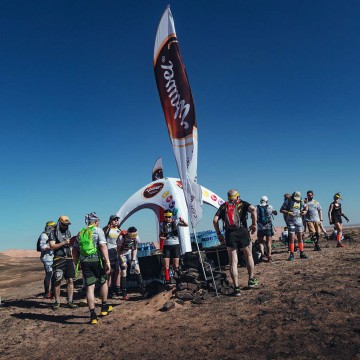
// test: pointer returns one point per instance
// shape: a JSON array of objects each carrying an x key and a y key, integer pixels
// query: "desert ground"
[{"x": 300, "y": 310}]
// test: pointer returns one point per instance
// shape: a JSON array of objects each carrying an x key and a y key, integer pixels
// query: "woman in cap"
[{"x": 335, "y": 214}]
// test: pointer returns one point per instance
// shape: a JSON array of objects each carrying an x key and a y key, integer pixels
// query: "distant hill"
[{"x": 17, "y": 253}]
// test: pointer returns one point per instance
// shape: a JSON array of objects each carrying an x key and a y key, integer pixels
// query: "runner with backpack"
[
  {"x": 91, "y": 251},
  {"x": 234, "y": 213},
  {"x": 265, "y": 213},
  {"x": 47, "y": 258},
  {"x": 293, "y": 209}
]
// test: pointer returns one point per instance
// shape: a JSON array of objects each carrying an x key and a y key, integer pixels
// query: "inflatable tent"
[{"x": 163, "y": 194}]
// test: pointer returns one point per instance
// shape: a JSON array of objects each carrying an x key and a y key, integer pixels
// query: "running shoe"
[
  {"x": 56, "y": 306},
  {"x": 71, "y": 305},
  {"x": 236, "y": 292},
  {"x": 252, "y": 282},
  {"x": 48, "y": 295},
  {"x": 105, "y": 309},
  {"x": 291, "y": 258},
  {"x": 317, "y": 247},
  {"x": 340, "y": 245},
  {"x": 303, "y": 256},
  {"x": 93, "y": 318}
]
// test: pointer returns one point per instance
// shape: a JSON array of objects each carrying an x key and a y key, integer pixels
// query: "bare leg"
[
  {"x": 90, "y": 297},
  {"x": 70, "y": 289},
  {"x": 249, "y": 260},
  {"x": 233, "y": 260},
  {"x": 104, "y": 292}
]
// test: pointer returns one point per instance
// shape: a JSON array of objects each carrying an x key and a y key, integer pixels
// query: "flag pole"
[{"x": 202, "y": 264}]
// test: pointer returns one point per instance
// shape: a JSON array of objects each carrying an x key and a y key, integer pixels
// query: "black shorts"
[
  {"x": 114, "y": 260},
  {"x": 93, "y": 272},
  {"x": 63, "y": 268},
  {"x": 237, "y": 239},
  {"x": 171, "y": 251},
  {"x": 336, "y": 219}
]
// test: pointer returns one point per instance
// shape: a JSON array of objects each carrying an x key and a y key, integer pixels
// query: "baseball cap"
[
  {"x": 113, "y": 217},
  {"x": 64, "y": 220},
  {"x": 263, "y": 200},
  {"x": 297, "y": 195}
]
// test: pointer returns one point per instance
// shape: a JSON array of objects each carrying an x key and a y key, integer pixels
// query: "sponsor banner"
[
  {"x": 153, "y": 190},
  {"x": 157, "y": 172},
  {"x": 178, "y": 106}
]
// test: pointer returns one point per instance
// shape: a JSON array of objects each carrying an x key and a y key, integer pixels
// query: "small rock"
[{"x": 168, "y": 306}]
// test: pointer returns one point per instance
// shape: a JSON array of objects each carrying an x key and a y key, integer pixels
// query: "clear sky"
[{"x": 275, "y": 86}]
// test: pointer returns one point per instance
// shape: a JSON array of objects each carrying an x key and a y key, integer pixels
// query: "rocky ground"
[{"x": 300, "y": 310}]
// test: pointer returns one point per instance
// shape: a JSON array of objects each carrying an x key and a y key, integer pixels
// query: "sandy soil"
[{"x": 300, "y": 310}]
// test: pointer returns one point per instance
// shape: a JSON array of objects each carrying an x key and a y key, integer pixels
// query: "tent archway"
[{"x": 166, "y": 193}]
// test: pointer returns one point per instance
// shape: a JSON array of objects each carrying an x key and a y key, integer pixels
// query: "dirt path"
[{"x": 303, "y": 309}]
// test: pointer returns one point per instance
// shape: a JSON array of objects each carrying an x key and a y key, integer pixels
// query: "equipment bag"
[
  {"x": 263, "y": 216},
  {"x": 232, "y": 217},
  {"x": 86, "y": 243},
  {"x": 38, "y": 248}
]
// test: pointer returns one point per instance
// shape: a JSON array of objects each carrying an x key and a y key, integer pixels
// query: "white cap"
[{"x": 263, "y": 200}]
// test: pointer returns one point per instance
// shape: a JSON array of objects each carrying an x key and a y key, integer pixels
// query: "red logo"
[
  {"x": 153, "y": 190},
  {"x": 169, "y": 198},
  {"x": 179, "y": 184},
  {"x": 213, "y": 197}
]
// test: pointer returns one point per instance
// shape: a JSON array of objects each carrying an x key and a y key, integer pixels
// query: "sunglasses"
[{"x": 167, "y": 217}]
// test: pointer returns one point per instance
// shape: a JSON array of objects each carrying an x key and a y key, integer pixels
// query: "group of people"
[
  {"x": 234, "y": 213},
  {"x": 104, "y": 255}
]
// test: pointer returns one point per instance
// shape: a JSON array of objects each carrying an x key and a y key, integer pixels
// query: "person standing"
[
  {"x": 265, "y": 226},
  {"x": 127, "y": 247},
  {"x": 313, "y": 218},
  {"x": 63, "y": 267},
  {"x": 335, "y": 213},
  {"x": 169, "y": 235},
  {"x": 233, "y": 213},
  {"x": 91, "y": 251},
  {"x": 47, "y": 258},
  {"x": 112, "y": 233},
  {"x": 293, "y": 208}
]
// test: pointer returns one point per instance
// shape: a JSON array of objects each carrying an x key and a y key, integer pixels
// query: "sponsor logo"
[
  {"x": 179, "y": 184},
  {"x": 165, "y": 194},
  {"x": 153, "y": 190},
  {"x": 206, "y": 193},
  {"x": 213, "y": 197},
  {"x": 181, "y": 108},
  {"x": 169, "y": 198},
  {"x": 220, "y": 201}
]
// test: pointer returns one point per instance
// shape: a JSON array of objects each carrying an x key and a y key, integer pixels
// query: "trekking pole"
[{"x": 202, "y": 265}]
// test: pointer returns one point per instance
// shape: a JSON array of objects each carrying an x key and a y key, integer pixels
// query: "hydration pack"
[
  {"x": 263, "y": 216},
  {"x": 86, "y": 243},
  {"x": 38, "y": 248},
  {"x": 232, "y": 217}
]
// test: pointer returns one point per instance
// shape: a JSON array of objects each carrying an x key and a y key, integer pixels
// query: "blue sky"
[{"x": 275, "y": 86}]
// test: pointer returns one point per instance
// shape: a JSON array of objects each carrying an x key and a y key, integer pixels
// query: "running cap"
[
  {"x": 113, "y": 217},
  {"x": 297, "y": 195},
  {"x": 337, "y": 196},
  {"x": 168, "y": 213},
  {"x": 64, "y": 220},
  {"x": 91, "y": 218},
  {"x": 50, "y": 224},
  {"x": 264, "y": 199},
  {"x": 232, "y": 194},
  {"x": 132, "y": 231}
]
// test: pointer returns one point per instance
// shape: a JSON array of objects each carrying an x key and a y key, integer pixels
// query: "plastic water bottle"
[{"x": 132, "y": 267}]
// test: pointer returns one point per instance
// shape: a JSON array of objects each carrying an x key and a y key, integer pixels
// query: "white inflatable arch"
[{"x": 166, "y": 193}]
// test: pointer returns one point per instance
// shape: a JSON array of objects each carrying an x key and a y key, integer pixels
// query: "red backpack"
[{"x": 232, "y": 217}]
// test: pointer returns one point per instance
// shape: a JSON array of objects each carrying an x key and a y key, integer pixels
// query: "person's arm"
[
  {"x": 252, "y": 211},
  {"x": 54, "y": 246},
  {"x": 134, "y": 250},
  {"x": 304, "y": 210},
  {"x": 320, "y": 215},
  {"x": 329, "y": 213},
  {"x": 103, "y": 249},
  {"x": 182, "y": 222},
  {"x": 44, "y": 242},
  {"x": 217, "y": 229},
  {"x": 345, "y": 217},
  {"x": 284, "y": 209}
]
